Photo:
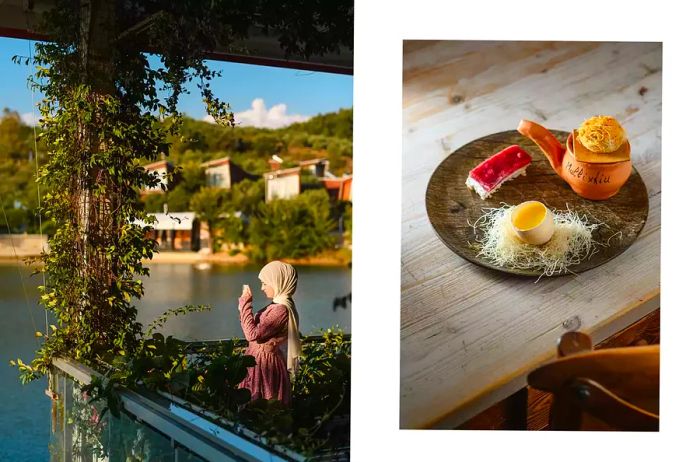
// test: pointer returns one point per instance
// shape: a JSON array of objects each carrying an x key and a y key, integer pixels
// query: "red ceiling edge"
[{"x": 22, "y": 34}]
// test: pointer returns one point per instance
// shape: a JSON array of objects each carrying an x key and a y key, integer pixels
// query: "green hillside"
[
  {"x": 326, "y": 135},
  {"x": 308, "y": 218}
]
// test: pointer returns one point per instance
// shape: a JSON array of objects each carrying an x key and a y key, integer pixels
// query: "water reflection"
[
  {"x": 342, "y": 302},
  {"x": 24, "y": 429}
]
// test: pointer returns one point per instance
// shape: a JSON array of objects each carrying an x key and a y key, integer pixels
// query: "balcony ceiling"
[{"x": 19, "y": 19}]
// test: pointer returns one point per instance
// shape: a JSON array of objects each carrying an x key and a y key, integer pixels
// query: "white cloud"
[
  {"x": 30, "y": 119},
  {"x": 259, "y": 116}
]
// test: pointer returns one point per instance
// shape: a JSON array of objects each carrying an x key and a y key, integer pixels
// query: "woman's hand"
[{"x": 246, "y": 295}]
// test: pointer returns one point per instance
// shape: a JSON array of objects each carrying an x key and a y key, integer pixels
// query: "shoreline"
[
  {"x": 222, "y": 258},
  {"x": 191, "y": 258}
]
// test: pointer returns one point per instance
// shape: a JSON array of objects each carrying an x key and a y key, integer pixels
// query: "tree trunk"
[{"x": 95, "y": 219}]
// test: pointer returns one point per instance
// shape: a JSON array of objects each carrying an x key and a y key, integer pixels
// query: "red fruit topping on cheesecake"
[{"x": 489, "y": 175}]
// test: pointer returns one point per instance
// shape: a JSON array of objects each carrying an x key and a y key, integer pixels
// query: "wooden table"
[{"x": 469, "y": 336}]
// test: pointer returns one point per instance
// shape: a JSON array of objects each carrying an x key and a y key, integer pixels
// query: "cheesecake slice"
[{"x": 505, "y": 165}]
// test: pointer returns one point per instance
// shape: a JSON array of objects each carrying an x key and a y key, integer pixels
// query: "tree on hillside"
[
  {"x": 335, "y": 124},
  {"x": 247, "y": 195},
  {"x": 248, "y": 147},
  {"x": 210, "y": 204},
  {"x": 245, "y": 198},
  {"x": 292, "y": 228},
  {"x": 251, "y": 164},
  {"x": 15, "y": 136},
  {"x": 18, "y": 192},
  {"x": 339, "y": 153},
  {"x": 190, "y": 180},
  {"x": 267, "y": 144},
  {"x": 154, "y": 203}
]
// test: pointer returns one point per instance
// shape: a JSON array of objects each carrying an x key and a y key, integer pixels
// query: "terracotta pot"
[{"x": 595, "y": 181}]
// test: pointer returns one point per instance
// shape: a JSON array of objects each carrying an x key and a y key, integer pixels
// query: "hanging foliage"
[{"x": 106, "y": 108}]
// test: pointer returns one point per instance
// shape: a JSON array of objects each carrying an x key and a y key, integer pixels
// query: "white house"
[
  {"x": 162, "y": 168},
  {"x": 282, "y": 184}
]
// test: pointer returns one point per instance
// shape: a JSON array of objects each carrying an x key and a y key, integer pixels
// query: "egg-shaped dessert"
[{"x": 532, "y": 222}]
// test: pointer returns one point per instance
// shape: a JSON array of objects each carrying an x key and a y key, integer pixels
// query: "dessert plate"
[{"x": 452, "y": 207}]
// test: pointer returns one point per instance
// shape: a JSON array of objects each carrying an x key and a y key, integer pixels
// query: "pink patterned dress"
[{"x": 265, "y": 332}]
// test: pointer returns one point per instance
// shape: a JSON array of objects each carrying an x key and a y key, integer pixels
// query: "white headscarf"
[{"x": 282, "y": 277}]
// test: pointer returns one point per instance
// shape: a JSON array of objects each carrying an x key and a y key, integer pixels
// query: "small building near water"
[{"x": 175, "y": 231}]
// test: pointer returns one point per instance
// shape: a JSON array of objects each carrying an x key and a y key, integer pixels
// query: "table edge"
[{"x": 485, "y": 398}]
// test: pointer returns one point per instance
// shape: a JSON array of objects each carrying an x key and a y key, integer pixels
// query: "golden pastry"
[{"x": 601, "y": 134}]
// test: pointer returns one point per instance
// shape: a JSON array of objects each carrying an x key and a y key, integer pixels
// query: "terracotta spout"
[{"x": 550, "y": 146}]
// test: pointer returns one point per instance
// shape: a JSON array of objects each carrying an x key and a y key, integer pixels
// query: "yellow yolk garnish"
[{"x": 529, "y": 215}]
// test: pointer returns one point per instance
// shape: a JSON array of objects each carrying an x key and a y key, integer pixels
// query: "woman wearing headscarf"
[{"x": 269, "y": 330}]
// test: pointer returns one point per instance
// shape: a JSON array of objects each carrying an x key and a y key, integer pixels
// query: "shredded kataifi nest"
[{"x": 571, "y": 243}]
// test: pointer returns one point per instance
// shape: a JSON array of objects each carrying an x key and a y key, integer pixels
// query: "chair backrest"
[{"x": 610, "y": 389}]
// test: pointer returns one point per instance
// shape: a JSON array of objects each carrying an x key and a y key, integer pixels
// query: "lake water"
[{"x": 25, "y": 410}]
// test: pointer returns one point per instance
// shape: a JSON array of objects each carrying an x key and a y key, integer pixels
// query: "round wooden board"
[{"x": 451, "y": 205}]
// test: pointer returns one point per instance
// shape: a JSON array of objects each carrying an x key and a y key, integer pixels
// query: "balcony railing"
[{"x": 152, "y": 426}]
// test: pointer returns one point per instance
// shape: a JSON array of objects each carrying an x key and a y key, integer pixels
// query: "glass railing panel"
[{"x": 78, "y": 433}]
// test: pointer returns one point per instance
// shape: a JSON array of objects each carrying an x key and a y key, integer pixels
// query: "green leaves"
[
  {"x": 293, "y": 228},
  {"x": 28, "y": 372},
  {"x": 217, "y": 375}
]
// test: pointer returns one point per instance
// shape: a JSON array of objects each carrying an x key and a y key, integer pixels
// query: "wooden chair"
[{"x": 609, "y": 389}]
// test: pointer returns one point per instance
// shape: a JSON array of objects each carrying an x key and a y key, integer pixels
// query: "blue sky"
[{"x": 258, "y": 95}]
